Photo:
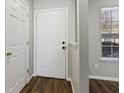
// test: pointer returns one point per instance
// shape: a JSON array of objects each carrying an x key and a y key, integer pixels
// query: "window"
[{"x": 110, "y": 32}]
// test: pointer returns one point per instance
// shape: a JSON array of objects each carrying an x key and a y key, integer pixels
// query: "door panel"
[
  {"x": 16, "y": 48},
  {"x": 11, "y": 46},
  {"x": 11, "y": 72},
  {"x": 51, "y": 32}
]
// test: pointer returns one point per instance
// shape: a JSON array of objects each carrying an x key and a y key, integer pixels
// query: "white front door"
[
  {"x": 51, "y": 43},
  {"x": 16, "y": 46}
]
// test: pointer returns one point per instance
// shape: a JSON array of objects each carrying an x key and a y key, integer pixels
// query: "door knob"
[
  {"x": 63, "y": 47},
  {"x": 8, "y": 53}
]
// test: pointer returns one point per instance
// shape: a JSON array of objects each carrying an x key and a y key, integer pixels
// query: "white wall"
[
  {"x": 106, "y": 69},
  {"x": 83, "y": 47},
  {"x": 74, "y": 59},
  {"x": 80, "y": 56}
]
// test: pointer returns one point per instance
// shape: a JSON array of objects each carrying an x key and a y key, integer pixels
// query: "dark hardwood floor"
[
  {"x": 51, "y": 85},
  {"x": 47, "y": 85},
  {"x": 101, "y": 86}
]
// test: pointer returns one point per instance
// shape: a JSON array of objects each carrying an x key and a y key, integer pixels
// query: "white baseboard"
[
  {"x": 69, "y": 79},
  {"x": 104, "y": 78},
  {"x": 30, "y": 77}
]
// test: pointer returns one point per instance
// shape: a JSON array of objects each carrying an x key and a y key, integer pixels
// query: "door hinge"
[
  {"x": 27, "y": 43},
  {"x": 27, "y": 70},
  {"x": 27, "y": 15}
]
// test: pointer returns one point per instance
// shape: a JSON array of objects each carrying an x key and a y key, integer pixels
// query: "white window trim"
[
  {"x": 107, "y": 59},
  {"x": 103, "y": 59}
]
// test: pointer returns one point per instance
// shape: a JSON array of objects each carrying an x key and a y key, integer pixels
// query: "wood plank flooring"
[
  {"x": 101, "y": 86},
  {"x": 51, "y": 85},
  {"x": 47, "y": 85}
]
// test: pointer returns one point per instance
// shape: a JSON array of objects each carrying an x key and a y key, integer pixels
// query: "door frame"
[
  {"x": 35, "y": 35},
  {"x": 28, "y": 30}
]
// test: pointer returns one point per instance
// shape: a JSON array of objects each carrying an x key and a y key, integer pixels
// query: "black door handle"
[
  {"x": 63, "y": 47},
  {"x": 63, "y": 42}
]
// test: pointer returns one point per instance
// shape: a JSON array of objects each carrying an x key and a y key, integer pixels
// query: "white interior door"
[
  {"x": 16, "y": 46},
  {"x": 51, "y": 43}
]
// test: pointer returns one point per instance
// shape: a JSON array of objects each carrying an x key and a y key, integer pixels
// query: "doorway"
[{"x": 51, "y": 43}]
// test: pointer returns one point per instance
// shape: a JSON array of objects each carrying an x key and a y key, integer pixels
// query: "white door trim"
[
  {"x": 28, "y": 43},
  {"x": 35, "y": 31},
  {"x": 27, "y": 19}
]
